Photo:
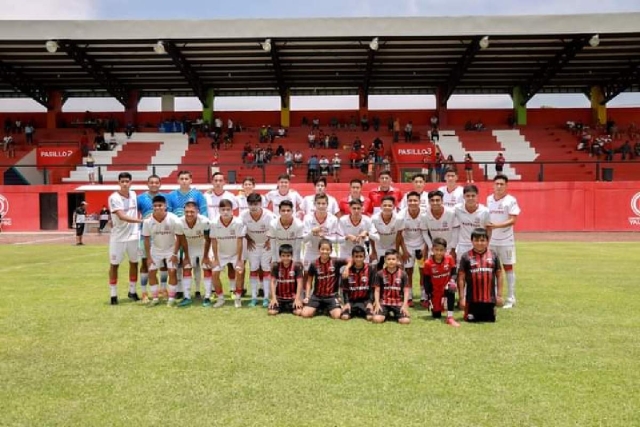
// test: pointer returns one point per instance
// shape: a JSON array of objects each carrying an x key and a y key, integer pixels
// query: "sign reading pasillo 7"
[{"x": 57, "y": 155}]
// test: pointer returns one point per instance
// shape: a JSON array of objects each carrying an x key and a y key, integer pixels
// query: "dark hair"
[
  {"x": 126, "y": 175},
  {"x": 249, "y": 179},
  {"x": 325, "y": 242},
  {"x": 320, "y": 197},
  {"x": 216, "y": 174},
  {"x": 285, "y": 249},
  {"x": 159, "y": 199},
  {"x": 384, "y": 173},
  {"x": 185, "y": 172},
  {"x": 358, "y": 249},
  {"x": 470, "y": 188},
  {"x": 284, "y": 176},
  {"x": 440, "y": 242},
  {"x": 355, "y": 202},
  {"x": 435, "y": 193},
  {"x": 479, "y": 233},
  {"x": 355, "y": 181},
  {"x": 321, "y": 179},
  {"x": 502, "y": 177},
  {"x": 413, "y": 194},
  {"x": 153, "y": 176},
  {"x": 285, "y": 203},
  {"x": 254, "y": 198},
  {"x": 390, "y": 252},
  {"x": 418, "y": 175},
  {"x": 385, "y": 198},
  {"x": 226, "y": 203},
  {"x": 450, "y": 170}
]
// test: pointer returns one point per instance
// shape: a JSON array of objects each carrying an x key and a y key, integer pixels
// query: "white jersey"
[
  {"x": 195, "y": 235},
  {"x": 213, "y": 203},
  {"x": 291, "y": 235},
  {"x": 424, "y": 202},
  {"x": 257, "y": 229},
  {"x": 347, "y": 227},
  {"x": 123, "y": 231},
  {"x": 275, "y": 198},
  {"x": 446, "y": 227},
  {"x": 387, "y": 231},
  {"x": 227, "y": 236},
  {"x": 412, "y": 229},
  {"x": 308, "y": 205},
  {"x": 500, "y": 210},
  {"x": 450, "y": 200},
  {"x": 243, "y": 205},
  {"x": 162, "y": 233},
  {"x": 469, "y": 221},
  {"x": 329, "y": 228}
]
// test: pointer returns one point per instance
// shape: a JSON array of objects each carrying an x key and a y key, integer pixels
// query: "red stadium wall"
[{"x": 558, "y": 206}]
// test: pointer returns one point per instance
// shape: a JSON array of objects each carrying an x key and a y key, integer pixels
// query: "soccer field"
[{"x": 567, "y": 355}]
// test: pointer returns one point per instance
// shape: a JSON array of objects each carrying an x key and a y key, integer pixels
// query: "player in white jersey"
[
  {"x": 163, "y": 238},
  {"x": 215, "y": 195},
  {"x": 285, "y": 229},
  {"x": 389, "y": 227},
  {"x": 196, "y": 254},
  {"x": 227, "y": 236},
  {"x": 356, "y": 229},
  {"x": 470, "y": 215},
  {"x": 124, "y": 236},
  {"x": 273, "y": 199},
  {"x": 319, "y": 225},
  {"x": 257, "y": 222},
  {"x": 504, "y": 211},
  {"x": 440, "y": 221},
  {"x": 413, "y": 245},
  {"x": 419, "y": 182},
  {"x": 309, "y": 202},
  {"x": 452, "y": 192},
  {"x": 248, "y": 188}
]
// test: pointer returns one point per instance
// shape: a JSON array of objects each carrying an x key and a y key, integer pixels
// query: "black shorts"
[
  {"x": 79, "y": 229},
  {"x": 388, "y": 310},
  {"x": 326, "y": 303},
  {"x": 285, "y": 306},
  {"x": 480, "y": 312},
  {"x": 359, "y": 309}
]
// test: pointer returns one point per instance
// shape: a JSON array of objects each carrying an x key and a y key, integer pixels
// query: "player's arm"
[
  {"x": 462, "y": 282},
  {"x": 214, "y": 249},
  {"x": 297, "y": 303},
  {"x": 239, "y": 249},
  {"x": 508, "y": 223},
  {"x": 75, "y": 217},
  {"x": 427, "y": 284},
  {"x": 376, "y": 297},
  {"x": 207, "y": 247},
  {"x": 310, "y": 277},
  {"x": 307, "y": 231},
  {"x": 400, "y": 246},
  {"x": 499, "y": 279},
  {"x": 122, "y": 217},
  {"x": 274, "y": 275}
]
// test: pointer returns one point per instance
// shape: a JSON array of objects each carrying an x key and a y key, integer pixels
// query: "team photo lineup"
[{"x": 356, "y": 257}]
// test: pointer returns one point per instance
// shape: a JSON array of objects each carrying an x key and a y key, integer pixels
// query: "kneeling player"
[
  {"x": 439, "y": 280},
  {"x": 479, "y": 276},
  {"x": 286, "y": 284},
  {"x": 357, "y": 286},
  {"x": 325, "y": 273},
  {"x": 391, "y": 291}
]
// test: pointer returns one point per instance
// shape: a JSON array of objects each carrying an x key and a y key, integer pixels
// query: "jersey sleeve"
[
  {"x": 177, "y": 227},
  {"x": 313, "y": 271},
  {"x": 115, "y": 203},
  {"x": 274, "y": 271},
  {"x": 298, "y": 271},
  {"x": 202, "y": 204},
  {"x": 514, "y": 208},
  {"x": 146, "y": 229}
]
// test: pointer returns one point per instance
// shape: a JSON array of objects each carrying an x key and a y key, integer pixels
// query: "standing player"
[
  {"x": 227, "y": 235},
  {"x": 418, "y": 182},
  {"x": 357, "y": 286},
  {"x": 248, "y": 188},
  {"x": 356, "y": 229},
  {"x": 317, "y": 227},
  {"x": 196, "y": 254},
  {"x": 274, "y": 197},
  {"x": 452, "y": 192},
  {"x": 439, "y": 281},
  {"x": 384, "y": 190},
  {"x": 257, "y": 222},
  {"x": 286, "y": 283},
  {"x": 440, "y": 221},
  {"x": 325, "y": 274},
  {"x": 124, "y": 236},
  {"x": 285, "y": 229},
  {"x": 504, "y": 211},
  {"x": 308, "y": 205},
  {"x": 355, "y": 193},
  {"x": 163, "y": 238},
  {"x": 215, "y": 195},
  {"x": 470, "y": 215},
  {"x": 412, "y": 244},
  {"x": 480, "y": 280},
  {"x": 389, "y": 227},
  {"x": 391, "y": 292}
]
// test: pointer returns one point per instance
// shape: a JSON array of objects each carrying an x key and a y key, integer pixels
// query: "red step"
[{"x": 136, "y": 155}]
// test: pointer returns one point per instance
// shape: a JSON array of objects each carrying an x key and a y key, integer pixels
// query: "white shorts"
[
  {"x": 309, "y": 257},
  {"x": 259, "y": 258},
  {"x": 158, "y": 261},
  {"x": 117, "y": 250},
  {"x": 224, "y": 261},
  {"x": 412, "y": 256},
  {"x": 461, "y": 249},
  {"x": 196, "y": 253},
  {"x": 506, "y": 254}
]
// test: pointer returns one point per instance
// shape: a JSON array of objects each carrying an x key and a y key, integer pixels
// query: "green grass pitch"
[{"x": 567, "y": 355}]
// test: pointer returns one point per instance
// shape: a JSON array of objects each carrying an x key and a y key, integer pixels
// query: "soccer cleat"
[
  {"x": 237, "y": 303},
  {"x": 179, "y": 295},
  {"x": 185, "y": 302},
  {"x": 452, "y": 322},
  {"x": 509, "y": 304},
  {"x": 145, "y": 299},
  {"x": 198, "y": 295},
  {"x": 154, "y": 302},
  {"x": 133, "y": 296},
  {"x": 206, "y": 302},
  {"x": 114, "y": 300},
  {"x": 424, "y": 303},
  {"x": 171, "y": 303},
  {"x": 253, "y": 302},
  {"x": 260, "y": 293},
  {"x": 265, "y": 303},
  {"x": 410, "y": 304},
  {"x": 219, "y": 303}
]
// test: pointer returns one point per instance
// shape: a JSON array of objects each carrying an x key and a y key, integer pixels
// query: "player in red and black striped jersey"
[
  {"x": 480, "y": 280},
  {"x": 324, "y": 272},
  {"x": 391, "y": 292},
  {"x": 358, "y": 281},
  {"x": 286, "y": 283},
  {"x": 439, "y": 280}
]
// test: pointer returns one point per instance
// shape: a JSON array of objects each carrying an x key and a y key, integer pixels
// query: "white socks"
[
  {"x": 511, "y": 285},
  {"x": 253, "y": 281}
]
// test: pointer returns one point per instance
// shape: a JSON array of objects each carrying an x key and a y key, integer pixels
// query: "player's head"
[
  {"x": 391, "y": 258},
  {"x": 479, "y": 239},
  {"x": 500, "y": 182},
  {"x": 153, "y": 183},
  {"x": 325, "y": 247},
  {"x": 321, "y": 202},
  {"x": 254, "y": 200},
  {"x": 185, "y": 179},
  {"x": 285, "y": 252},
  {"x": 248, "y": 185},
  {"x": 191, "y": 209},
  {"x": 451, "y": 177},
  {"x": 124, "y": 179},
  {"x": 385, "y": 180},
  {"x": 286, "y": 209},
  {"x": 355, "y": 207},
  {"x": 355, "y": 187},
  {"x": 226, "y": 209},
  {"x": 283, "y": 183},
  {"x": 413, "y": 200},
  {"x": 435, "y": 200},
  {"x": 418, "y": 181},
  {"x": 321, "y": 185},
  {"x": 159, "y": 204},
  {"x": 387, "y": 204},
  {"x": 439, "y": 248},
  {"x": 470, "y": 193},
  {"x": 217, "y": 179},
  {"x": 358, "y": 255}
]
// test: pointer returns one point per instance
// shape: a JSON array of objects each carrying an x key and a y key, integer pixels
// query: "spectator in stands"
[
  {"x": 386, "y": 164},
  {"x": 315, "y": 123},
  {"x": 324, "y": 166},
  {"x": 357, "y": 144},
  {"x": 312, "y": 168},
  {"x": 260, "y": 158},
  {"x": 271, "y": 133},
  {"x": 378, "y": 145},
  {"x": 468, "y": 167},
  {"x": 29, "y": 130},
  {"x": 230, "y": 128},
  {"x": 396, "y": 130},
  {"x": 129, "y": 130},
  {"x": 297, "y": 159},
  {"x": 282, "y": 132},
  {"x": 90, "y": 165},
  {"x": 336, "y": 165},
  {"x": 449, "y": 163},
  {"x": 364, "y": 123},
  {"x": 281, "y": 152},
  {"x": 113, "y": 142},
  {"x": 408, "y": 132},
  {"x": 479, "y": 126},
  {"x": 193, "y": 136},
  {"x": 327, "y": 140},
  {"x": 390, "y": 123},
  {"x": 311, "y": 138},
  {"x": 353, "y": 158},
  {"x": 439, "y": 163},
  {"x": 607, "y": 149},
  {"x": 511, "y": 121},
  {"x": 334, "y": 143},
  {"x": 250, "y": 159},
  {"x": 18, "y": 126},
  {"x": 333, "y": 123},
  {"x": 99, "y": 143},
  {"x": 427, "y": 167},
  {"x": 625, "y": 150},
  {"x": 288, "y": 162},
  {"x": 434, "y": 122},
  {"x": 636, "y": 149},
  {"x": 269, "y": 154},
  {"x": 111, "y": 126},
  {"x": 84, "y": 144},
  {"x": 217, "y": 125},
  {"x": 262, "y": 135},
  {"x": 371, "y": 166},
  {"x": 500, "y": 160},
  {"x": 375, "y": 121},
  {"x": 435, "y": 135}
]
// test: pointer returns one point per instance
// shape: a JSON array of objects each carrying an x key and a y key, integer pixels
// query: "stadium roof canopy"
[{"x": 548, "y": 54}]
